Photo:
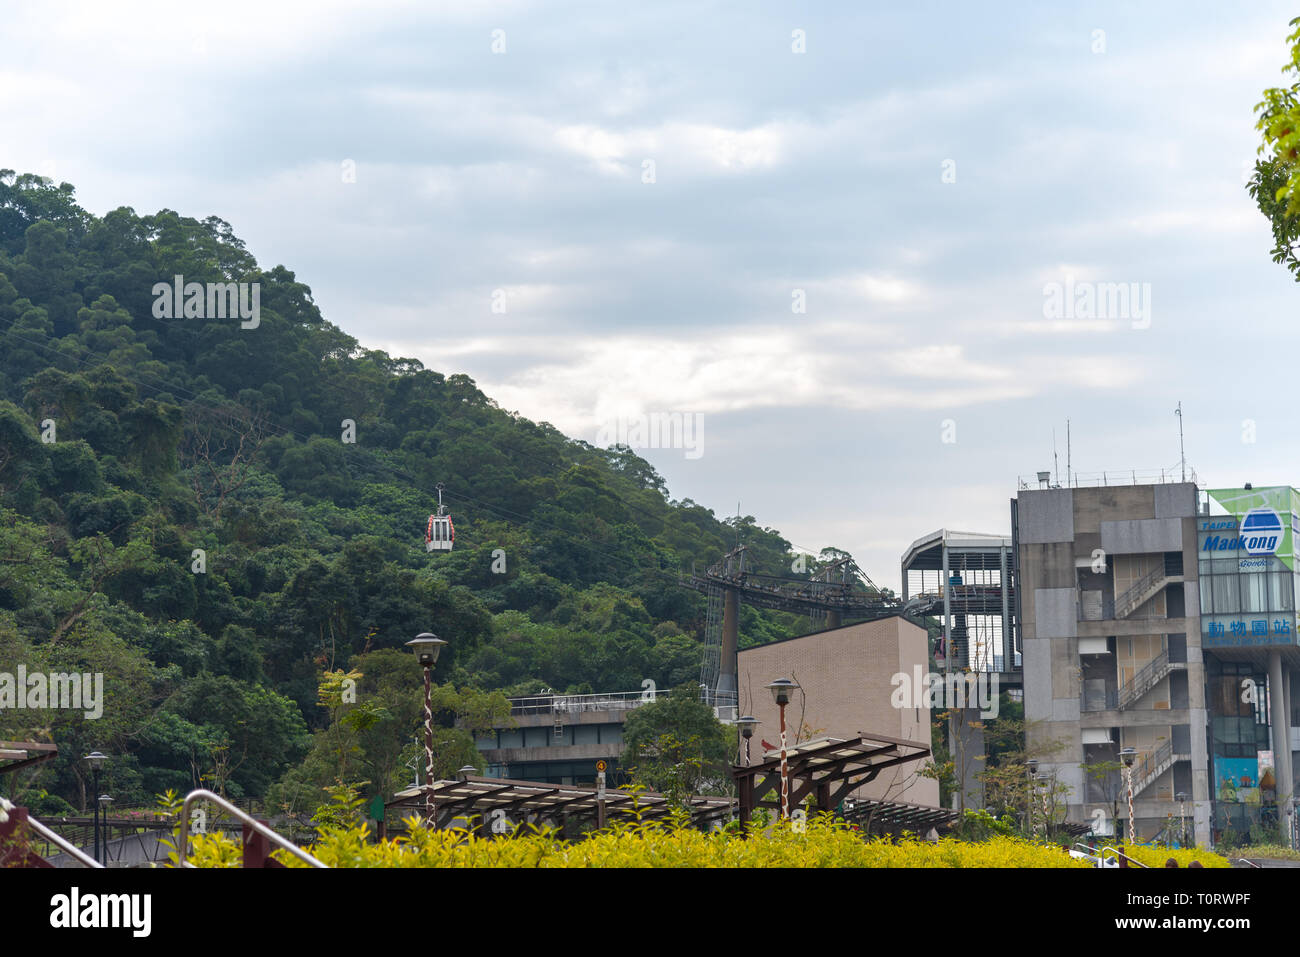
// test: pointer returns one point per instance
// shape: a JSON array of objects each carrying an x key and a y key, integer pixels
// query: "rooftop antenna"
[
  {"x": 1182, "y": 458},
  {"x": 1068, "y": 480},
  {"x": 1056, "y": 460}
]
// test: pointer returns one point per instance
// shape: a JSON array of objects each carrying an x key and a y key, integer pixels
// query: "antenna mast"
[
  {"x": 1056, "y": 460},
  {"x": 1068, "y": 481},
  {"x": 1182, "y": 458}
]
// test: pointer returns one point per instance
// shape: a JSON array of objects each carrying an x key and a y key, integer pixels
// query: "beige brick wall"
[{"x": 846, "y": 677}]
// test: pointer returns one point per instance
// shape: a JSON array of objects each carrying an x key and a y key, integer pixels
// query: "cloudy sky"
[{"x": 647, "y": 193}]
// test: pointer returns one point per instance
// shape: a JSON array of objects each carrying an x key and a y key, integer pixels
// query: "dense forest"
[{"x": 227, "y": 519}]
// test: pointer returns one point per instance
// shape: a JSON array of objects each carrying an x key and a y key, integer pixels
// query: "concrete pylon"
[
  {"x": 1280, "y": 719},
  {"x": 730, "y": 630}
]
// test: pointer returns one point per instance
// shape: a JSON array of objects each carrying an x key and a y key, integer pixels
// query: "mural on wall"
[{"x": 1237, "y": 779}]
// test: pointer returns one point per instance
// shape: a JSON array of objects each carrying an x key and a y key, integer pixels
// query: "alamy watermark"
[
  {"x": 211, "y": 300},
  {"x": 1098, "y": 300},
  {"x": 954, "y": 690},
  {"x": 655, "y": 430},
  {"x": 37, "y": 692}
]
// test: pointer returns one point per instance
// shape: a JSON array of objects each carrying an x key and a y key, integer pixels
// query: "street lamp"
[
  {"x": 104, "y": 802},
  {"x": 782, "y": 691},
  {"x": 747, "y": 725},
  {"x": 96, "y": 761},
  {"x": 1032, "y": 766},
  {"x": 1126, "y": 755},
  {"x": 426, "y": 646},
  {"x": 1182, "y": 818}
]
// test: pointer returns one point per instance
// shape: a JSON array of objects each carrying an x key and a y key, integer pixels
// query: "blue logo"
[{"x": 1261, "y": 531}]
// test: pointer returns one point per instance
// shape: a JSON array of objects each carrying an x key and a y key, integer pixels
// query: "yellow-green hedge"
[
  {"x": 1156, "y": 856},
  {"x": 823, "y": 844}
]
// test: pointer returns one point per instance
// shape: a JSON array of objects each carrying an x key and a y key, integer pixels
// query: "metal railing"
[
  {"x": 80, "y": 856},
  {"x": 1105, "y": 612},
  {"x": 1114, "y": 850},
  {"x": 1107, "y": 700},
  {"x": 1152, "y": 766},
  {"x": 1146, "y": 679},
  {"x": 562, "y": 704},
  {"x": 183, "y": 844},
  {"x": 576, "y": 703},
  {"x": 1132, "y": 599},
  {"x": 1114, "y": 477}
]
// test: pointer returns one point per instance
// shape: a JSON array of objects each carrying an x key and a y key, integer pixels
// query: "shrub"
[
  {"x": 1156, "y": 856},
  {"x": 824, "y": 843}
]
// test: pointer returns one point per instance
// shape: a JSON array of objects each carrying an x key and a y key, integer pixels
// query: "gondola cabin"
[{"x": 440, "y": 534}]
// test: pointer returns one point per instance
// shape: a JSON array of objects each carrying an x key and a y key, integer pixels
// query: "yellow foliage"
[
  {"x": 1156, "y": 856},
  {"x": 825, "y": 843}
]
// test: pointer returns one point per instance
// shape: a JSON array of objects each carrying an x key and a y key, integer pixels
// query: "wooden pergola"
[
  {"x": 23, "y": 754},
  {"x": 478, "y": 799},
  {"x": 893, "y": 816},
  {"x": 829, "y": 769}
]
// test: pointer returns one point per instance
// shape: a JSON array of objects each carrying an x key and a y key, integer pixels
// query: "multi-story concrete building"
[
  {"x": 558, "y": 739},
  {"x": 1148, "y": 622}
]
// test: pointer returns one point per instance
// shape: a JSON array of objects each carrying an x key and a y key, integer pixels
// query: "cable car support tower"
[{"x": 837, "y": 591}]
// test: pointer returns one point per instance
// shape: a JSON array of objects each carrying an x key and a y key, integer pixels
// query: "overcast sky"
[{"x": 646, "y": 187}]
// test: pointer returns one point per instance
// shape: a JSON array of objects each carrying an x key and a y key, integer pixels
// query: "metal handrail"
[
  {"x": 76, "y": 853},
  {"x": 562, "y": 704},
  {"x": 1119, "y": 853},
  {"x": 1151, "y": 764},
  {"x": 183, "y": 851},
  {"x": 1142, "y": 682},
  {"x": 1143, "y": 583}
]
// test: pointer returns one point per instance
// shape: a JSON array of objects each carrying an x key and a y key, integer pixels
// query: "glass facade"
[{"x": 1248, "y": 585}]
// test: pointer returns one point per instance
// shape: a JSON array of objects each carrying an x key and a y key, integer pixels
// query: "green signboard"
[{"x": 1263, "y": 527}]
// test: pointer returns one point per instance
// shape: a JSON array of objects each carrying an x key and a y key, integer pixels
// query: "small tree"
[
  {"x": 676, "y": 746},
  {"x": 1107, "y": 776},
  {"x": 1275, "y": 184}
]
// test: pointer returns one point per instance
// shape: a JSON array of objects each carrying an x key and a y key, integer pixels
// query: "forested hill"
[{"x": 181, "y": 509}]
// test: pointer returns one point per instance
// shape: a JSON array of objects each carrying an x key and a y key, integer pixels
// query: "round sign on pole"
[{"x": 600, "y": 766}]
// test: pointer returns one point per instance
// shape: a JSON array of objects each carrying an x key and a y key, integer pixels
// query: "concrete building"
[
  {"x": 847, "y": 677},
  {"x": 1150, "y": 622},
  {"x": 558, "y": 739}
]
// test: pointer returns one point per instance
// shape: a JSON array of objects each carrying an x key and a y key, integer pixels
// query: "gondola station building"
[{"x": 1162, "y": 618}]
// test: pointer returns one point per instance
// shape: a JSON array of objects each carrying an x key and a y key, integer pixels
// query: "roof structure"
[
  {"x": 828, "y": 768},
  {"x": 475, "y": 797},
  {"x": 927, "y": 551},
  {"x": 23, "y": 754},
  {"x": 897, "y": 815}
]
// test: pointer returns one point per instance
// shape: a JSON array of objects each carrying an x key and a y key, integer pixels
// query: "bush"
[
  {"x": 824, "y": 843},
  {"x": 1156, "y": 856}
]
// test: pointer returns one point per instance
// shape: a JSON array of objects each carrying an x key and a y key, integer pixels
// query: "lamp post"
[
  {"x": 1126, "y": 755},
  {"x": 96, "y": 761},
  {"x": 1182, "y": 818},
  {"x": 782, "y": 690},
  {"x": 426, "y": 646},
  {"x": 747, "y": 725},
  {"x": 104, "y": 802},
  {"x": 1032, "y": 766}
]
